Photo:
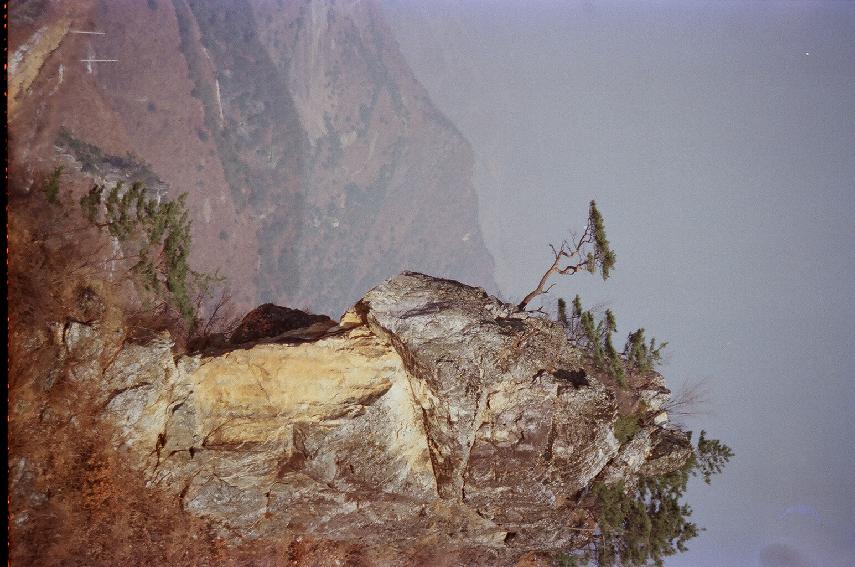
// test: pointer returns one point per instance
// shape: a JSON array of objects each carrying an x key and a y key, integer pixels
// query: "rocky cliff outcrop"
[{"x": 431, "y": 413}]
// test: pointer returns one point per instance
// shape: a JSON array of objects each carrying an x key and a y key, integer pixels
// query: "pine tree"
[
  {"x": 602, "y": 254},
  {"x": 711, "y": 456},
  {"x": 158, "y": 234},
  {"x": 645, "y": 525},
  {"x": 641, "y": 355},
  {"x": 562, "y": 313},
  {"x": 591, "y": 252},
  {"x": 596, "y": 338}
]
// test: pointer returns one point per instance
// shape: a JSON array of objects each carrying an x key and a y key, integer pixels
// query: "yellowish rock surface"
[{"x": 27, "y": 61}]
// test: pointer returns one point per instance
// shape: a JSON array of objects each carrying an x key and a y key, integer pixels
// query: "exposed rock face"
[
  {"x": 514, "y": 425},
  {"x": 433, "y": 412}
]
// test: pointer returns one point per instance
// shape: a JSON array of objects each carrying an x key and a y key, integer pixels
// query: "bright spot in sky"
[{"x": 807, "y": 52}]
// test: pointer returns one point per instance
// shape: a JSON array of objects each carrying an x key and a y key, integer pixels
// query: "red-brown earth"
[{"x": 315, "y": 164}]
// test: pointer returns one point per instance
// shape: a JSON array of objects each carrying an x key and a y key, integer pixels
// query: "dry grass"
[
  {"x": 73, "y": 498},
  {"x": 75, "y": 502}
]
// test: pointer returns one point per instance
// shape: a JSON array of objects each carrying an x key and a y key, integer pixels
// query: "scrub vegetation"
[
  {"x": 644, "y": 524},
  {"x": 138, "y": 247},
  {"x": 641, "y": 523}
]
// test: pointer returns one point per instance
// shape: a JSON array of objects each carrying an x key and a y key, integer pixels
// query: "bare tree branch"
[
  {"x": 591, "y": 251},
  {"x": 691, "y": 399},
  {"x": 565, "y": 251}
]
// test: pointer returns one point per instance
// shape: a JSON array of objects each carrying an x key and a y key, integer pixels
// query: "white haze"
[{"x": 719, "y": 141}]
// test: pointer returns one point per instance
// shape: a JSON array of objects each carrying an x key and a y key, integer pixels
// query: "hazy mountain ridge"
[{"x": 315, "y": 163}]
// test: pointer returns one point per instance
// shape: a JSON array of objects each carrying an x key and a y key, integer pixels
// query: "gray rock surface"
[{"x": 432, "y": 412}]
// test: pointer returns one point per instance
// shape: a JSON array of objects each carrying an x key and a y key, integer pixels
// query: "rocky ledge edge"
[{"x": 431, "y": 413}]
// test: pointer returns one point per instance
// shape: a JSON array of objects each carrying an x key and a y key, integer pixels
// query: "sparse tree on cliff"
[
  {"x": 159, "y": 234},
  {"x": 641, "y": 525},
  {"x": 562, "y": 313},
  {"x": 590, "y": 252},
  {"x": 151, "y": 240},
  {"x": 583, "y": 330}
]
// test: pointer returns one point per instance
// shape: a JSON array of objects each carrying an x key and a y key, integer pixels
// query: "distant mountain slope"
[{"x": 315, "y": 163}]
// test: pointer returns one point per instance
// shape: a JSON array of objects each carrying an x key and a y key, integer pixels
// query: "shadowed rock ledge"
[{"x": 431, "y": 413}]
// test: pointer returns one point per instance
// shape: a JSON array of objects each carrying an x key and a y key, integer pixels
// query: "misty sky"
[{"x": 719, "y": 141}]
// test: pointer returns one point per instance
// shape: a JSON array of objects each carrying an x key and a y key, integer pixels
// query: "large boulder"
[{"x": 270, "y": 321}]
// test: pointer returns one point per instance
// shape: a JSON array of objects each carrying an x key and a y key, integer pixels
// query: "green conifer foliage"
[
  {"x": 639, "y": 354},
  {"x": 51, "y": 186},
  {"x": 603, "y": 254},
  {"x": 611, "y": 359},
  {"x": 577, "y": 306},
  {"x": 562, "y": 313},
  {"x": 157, "y": 234},
  {"x": 90, "y": 203},
  {"x": 711, "y": 456},
  {"x": 590, "y": 252},
  {"x": 642, "y": 355},
  {"x": 644, "y": 525},
  {"x": 626, "y": 427},
  {"x": 596, "y": 338}
]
